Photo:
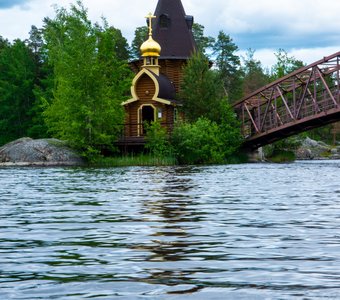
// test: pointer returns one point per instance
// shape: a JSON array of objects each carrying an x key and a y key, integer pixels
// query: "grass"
[
  {"x": 281, "y": 156},
  {"x": 149, "y": 160},
  {"x": 134, "y": 160}
]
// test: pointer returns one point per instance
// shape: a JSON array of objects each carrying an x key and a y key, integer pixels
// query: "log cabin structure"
[{"x": 159, "y": 72}]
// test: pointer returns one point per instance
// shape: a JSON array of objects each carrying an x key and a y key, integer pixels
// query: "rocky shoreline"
[
  {"x": 311, "y": 149},
  {"x": 27, "y": 152}
]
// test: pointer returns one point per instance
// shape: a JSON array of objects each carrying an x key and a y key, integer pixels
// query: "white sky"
[{"x": 306, "y": 29}]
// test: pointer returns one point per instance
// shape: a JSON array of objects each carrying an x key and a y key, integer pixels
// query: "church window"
[{"x": 164, "y": 21}]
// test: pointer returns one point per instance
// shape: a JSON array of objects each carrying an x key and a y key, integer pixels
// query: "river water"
[{"x": 251, "y": 231}]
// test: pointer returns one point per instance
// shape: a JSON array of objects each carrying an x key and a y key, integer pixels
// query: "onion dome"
[{"x": 150, "y": 48}]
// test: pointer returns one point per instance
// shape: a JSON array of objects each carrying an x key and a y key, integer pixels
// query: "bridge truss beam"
[{"x": 305, "y": 99}]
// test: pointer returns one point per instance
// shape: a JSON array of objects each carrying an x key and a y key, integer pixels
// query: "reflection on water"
[{"x": 258, "y": 231}]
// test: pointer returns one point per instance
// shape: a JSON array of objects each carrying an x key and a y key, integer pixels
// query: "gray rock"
[
  {"x": 308, "y": 142},
  {"x": 334, "y": 151},
  {"x": 303, "y": 153},
  {"x": 43, "y": 152},
  {"x": 311, "y": 149}
]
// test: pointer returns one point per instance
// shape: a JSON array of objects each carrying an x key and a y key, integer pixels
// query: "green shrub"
[
  {"x": 286, "y": 145},
  {"x": 282, "y": 156},
  {"x": 201, "y": 142},
  {"x": 157, "y": 140}
]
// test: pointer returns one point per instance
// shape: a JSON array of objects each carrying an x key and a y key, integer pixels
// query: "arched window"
[{"x": 164, "y": 21}]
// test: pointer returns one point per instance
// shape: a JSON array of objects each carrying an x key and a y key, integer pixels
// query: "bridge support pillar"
[{"x": 255, "y": 155}]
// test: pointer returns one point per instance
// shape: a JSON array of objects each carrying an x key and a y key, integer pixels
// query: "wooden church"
[{"x": 159, "y": 71}]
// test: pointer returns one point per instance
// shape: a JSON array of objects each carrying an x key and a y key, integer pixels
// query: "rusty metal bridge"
[{"x": 305, "y": 99}]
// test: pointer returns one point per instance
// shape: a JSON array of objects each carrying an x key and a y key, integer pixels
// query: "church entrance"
[{"x": 147, "y": 116}]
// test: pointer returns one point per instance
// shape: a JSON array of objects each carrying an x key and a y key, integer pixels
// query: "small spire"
[{"x": 150, "y": 16}]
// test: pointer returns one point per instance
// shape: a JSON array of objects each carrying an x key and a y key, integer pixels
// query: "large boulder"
[
  {"x": 42, "y": 152},
  {"x": 311, "y": 149}
]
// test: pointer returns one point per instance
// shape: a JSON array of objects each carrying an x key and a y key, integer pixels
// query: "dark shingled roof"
[
  {"x": 172, "y": 30},
  {"x": 166, "y": 87}
]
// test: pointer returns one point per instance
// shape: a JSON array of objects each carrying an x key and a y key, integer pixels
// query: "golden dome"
[{"x": 150, "y": 48}]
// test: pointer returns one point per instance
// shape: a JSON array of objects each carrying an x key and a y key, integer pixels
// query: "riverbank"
[
  {"x": 317, "y": 150},
  {"x": 300, "y": 149},
  {"x": 27, "y": 152}
]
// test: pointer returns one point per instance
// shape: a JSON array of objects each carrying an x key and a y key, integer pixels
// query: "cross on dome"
[
  {"x": 150, "y": 48},
  {"x": 150, "y": 16}
]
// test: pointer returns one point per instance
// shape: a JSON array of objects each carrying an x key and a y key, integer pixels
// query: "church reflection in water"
[{"x": 171, "y": 242}]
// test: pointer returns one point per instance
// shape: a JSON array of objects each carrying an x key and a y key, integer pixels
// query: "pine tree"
[
  {"x": 229, "y": 66},
  {"x": 43, "y": 83},
  {"x": 254, "y": 75},
  {"x": 141, "y": 34},
  {"x": 203, "y": 43}
]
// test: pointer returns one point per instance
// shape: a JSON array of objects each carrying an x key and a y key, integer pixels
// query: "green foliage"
[
  {"x": 230, "y": 130},
  {"x": 3, "y": 43},
  {"x": 201, "y": 89},
  {"x": 282, "y": 156},
  {"x": 17, "y": 78},
  {"x": 111, "y": 40},
  {"x": 229, "y": 66},
  {"x": 141, "y": 34},
  {"x": 205, "y": 141},
  {"x": 43, "y": 87},
  {"x": 324, "y": 134},
  {"x": 254, "y": 75},
  {"x": 286, "y": 145},
  {"x": 203, "y": 43},
  {"x": 198, "y": 143},
  {"x": 133, "y": 160},
  {"x": 284, "y": 65},
  {"x": 211, "y": 133},
  {"x": 90, "y": 80},
  {"x": 157, "y": 141},
  {"x": 282, "y": 151}
]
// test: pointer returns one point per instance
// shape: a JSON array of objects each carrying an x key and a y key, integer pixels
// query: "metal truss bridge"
[{"x": 305, "y": 99}]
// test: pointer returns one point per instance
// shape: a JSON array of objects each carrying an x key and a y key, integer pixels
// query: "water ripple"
[{"x": 257, "y": 231}]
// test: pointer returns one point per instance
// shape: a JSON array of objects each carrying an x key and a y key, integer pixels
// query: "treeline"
[{"x": 68, "y": 78}]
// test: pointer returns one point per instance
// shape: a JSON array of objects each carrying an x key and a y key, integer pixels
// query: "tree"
[
  {"x": 254, "y": 75},
  {"x": 43, "y": 83},
  {"x": 229, "y": 66},
  {"x": 90, "y": 81},
  {"x": 229, "y": 129},
  {"x": 211, "y": 133},
  {"x": 3, "y": 43},
  {"x": 113, "y": 40},
  {"x": 203, "y": 43},
  {"x": 17, "y": 79},
  {"x": 141, "y": 34},
  {"x": 285, "y": 64},
  {"x": 201, "y": 89}
]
